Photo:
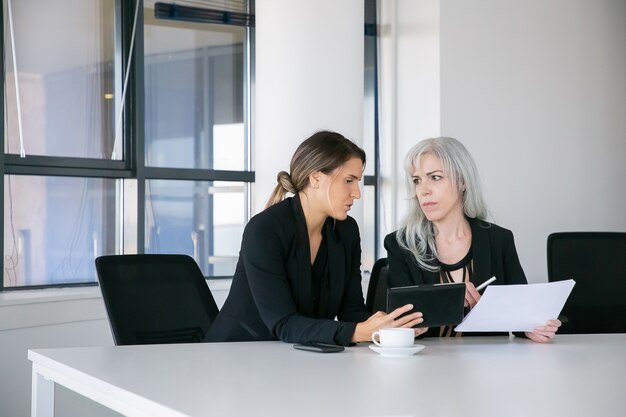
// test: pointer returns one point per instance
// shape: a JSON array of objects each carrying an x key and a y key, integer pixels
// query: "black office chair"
[
  {"x": 597, "y": 262},
  {"x": 153, "y": 299},
  {"x": 376, "y": 299}
]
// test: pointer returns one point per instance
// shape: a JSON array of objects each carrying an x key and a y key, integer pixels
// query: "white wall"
[
  {"x": 309, "y": 76},
  {"x": 537, "y": 92}
]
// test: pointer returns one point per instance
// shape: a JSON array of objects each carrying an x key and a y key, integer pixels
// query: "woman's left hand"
[{"x": 545, "y": 333}]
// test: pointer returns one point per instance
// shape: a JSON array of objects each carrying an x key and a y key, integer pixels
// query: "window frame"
[{"x": 371, "y": 30}]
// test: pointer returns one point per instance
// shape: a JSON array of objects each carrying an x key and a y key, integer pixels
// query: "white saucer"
[{"x": 406, "y": 351}]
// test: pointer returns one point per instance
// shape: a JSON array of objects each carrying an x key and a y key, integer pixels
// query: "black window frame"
[{"x": 371, "y": 30}]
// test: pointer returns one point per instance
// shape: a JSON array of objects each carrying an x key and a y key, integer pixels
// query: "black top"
[
  {"x": 319, "y": 281},
  {"x": 272, "y": 293},
  {"x": 445, "y": 276},
  {"x": 465, "y": 263},
  {"x": 493, "y": 253}
]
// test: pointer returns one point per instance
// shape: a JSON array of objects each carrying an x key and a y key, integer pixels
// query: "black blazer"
[
  {"x": 493, "y": 254},
  {"x": 270, "y": 296}
]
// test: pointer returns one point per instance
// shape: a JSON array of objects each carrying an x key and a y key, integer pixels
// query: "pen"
[{"x": 484, "y": 284}]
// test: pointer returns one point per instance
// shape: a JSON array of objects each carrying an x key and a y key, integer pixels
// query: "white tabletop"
[{"x": 576, "y": 375}]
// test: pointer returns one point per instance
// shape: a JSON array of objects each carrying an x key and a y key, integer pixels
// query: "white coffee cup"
[{"x": 394, "y": 337}]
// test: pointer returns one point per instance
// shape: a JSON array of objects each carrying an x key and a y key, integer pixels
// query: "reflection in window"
[
  {"x": 65, "y": 76},
  {"x": 54, "y": 231},
  {"x": 194, "y": 77},
  {"x": 199, "y": 218}
]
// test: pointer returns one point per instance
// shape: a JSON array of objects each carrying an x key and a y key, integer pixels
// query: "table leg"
[{"x": 42, "y": 398}]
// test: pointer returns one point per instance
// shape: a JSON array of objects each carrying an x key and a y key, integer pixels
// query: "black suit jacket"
[
  {"x": 493, "y": 254},
  {"x": 271, "y": 297}
]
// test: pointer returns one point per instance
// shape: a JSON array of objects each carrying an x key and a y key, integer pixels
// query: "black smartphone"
[{"x": 319, "y": 347}]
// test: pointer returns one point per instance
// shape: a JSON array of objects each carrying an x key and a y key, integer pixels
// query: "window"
[
  {"x": 53, "y": 229},
  {"x": 111, "y": 152}
]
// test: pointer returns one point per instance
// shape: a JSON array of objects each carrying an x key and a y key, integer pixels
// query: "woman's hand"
[
  {"x": 545, "y": 333},
  {"x": 380, "y": 320},
  {"x": 471, "y": 295}
]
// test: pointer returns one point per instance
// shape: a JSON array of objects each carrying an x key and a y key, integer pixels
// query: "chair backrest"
[
  {"x": 155, "y": 298},
  {"x": 376, "y": 299},
  {"x": 597, "y": 262}
]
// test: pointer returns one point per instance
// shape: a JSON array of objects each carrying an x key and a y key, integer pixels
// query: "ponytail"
[{"x": 282, "y": 188}]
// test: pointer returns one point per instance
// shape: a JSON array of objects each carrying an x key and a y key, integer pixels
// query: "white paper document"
[{"x": 509, "y": 308}]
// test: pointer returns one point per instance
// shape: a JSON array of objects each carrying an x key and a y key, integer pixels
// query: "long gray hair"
[{"x": 416, "y": 233}]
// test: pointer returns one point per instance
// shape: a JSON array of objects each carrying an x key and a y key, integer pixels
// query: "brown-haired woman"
[{"x": 299, "y": 264}]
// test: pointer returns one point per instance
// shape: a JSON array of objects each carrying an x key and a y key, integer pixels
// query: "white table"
[{"x": 577, "y": 375}]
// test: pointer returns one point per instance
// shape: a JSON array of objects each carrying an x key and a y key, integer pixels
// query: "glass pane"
[
  {"x": 199, "y": 218},
  {"x": 367, "y": 229},
  {"x": 194, "y": 79},
  {"x": 55, "y": 230},
  {"x": 65, "y": 76}
]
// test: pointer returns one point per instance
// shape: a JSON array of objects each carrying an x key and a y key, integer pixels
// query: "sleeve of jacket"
[
  {"x": 264, "y": 252},
  {"x": 513, "y": 271},
  {"x": 399, "y": 273}
]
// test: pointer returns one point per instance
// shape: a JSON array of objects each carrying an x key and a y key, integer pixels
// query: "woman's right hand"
[
  {"x": 380, "y": 320},
  {"x": 471, "y": 295}
]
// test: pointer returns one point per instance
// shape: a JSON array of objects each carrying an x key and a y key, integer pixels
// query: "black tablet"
[{"x": 441, "y": 304}]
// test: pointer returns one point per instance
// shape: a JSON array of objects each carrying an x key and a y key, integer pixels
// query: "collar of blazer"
[
  {"x": 481, "y": 249},
  {"x": 298, "y": 213}
]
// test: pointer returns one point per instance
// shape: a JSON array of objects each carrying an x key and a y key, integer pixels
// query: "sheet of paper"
[{"x": 509, "y": 308}]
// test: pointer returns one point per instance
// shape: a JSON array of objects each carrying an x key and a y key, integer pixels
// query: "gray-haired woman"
[{"x": 445, "y": 237}]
